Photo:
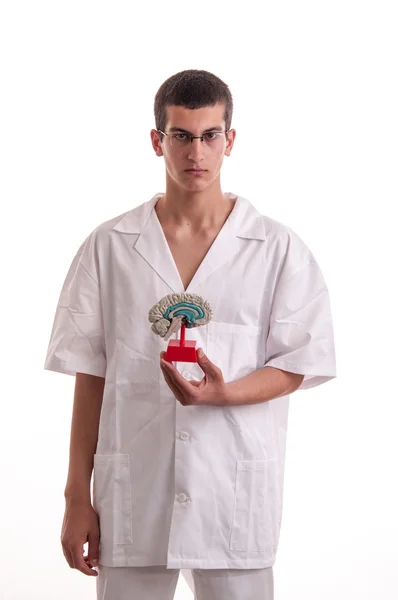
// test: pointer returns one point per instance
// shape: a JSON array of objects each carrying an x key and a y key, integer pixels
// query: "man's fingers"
[
  {"x": 68, "y": 557},
  {"x": 183, "y": 386},
  {"x": 93, "y": 549},
  {"x": 79, "y": 563},
  {"x": 195, "y": 383},
  {"x": 170, "y": 382},
  {"x": 211, "y": 370}
]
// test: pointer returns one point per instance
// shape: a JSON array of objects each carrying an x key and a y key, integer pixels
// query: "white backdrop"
[{"x": 315, "y": 92}]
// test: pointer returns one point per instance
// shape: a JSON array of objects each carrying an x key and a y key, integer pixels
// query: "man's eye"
[
  {"x": 211, "y": 135},
  {"x": 181, "y": 136}
]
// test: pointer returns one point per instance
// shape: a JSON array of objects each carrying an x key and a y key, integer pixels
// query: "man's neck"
[{"x": 199, "y": 212}]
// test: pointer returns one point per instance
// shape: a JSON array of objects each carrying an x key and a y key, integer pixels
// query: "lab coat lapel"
[
  {"x": 150, "y": 241},
  {"x": 244, "y": 221},
  {"x": 223, "y": 249},
  {"x": 153, "y": 247}
]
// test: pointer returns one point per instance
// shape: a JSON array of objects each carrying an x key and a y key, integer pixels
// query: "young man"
[{"x": 188, "y": 458}]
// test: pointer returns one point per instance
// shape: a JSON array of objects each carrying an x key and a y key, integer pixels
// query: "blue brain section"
[{"x": 191, "y": 312}]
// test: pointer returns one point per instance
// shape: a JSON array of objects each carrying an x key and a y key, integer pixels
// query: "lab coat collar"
[
  {"x": 244, "y": 221},
  {"x": 247, "y": 221}
]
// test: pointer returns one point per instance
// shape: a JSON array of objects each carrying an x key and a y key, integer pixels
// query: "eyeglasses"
[{"x": 211, "y": 139}]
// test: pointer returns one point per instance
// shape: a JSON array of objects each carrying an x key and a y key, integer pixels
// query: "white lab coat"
[{"x": 191, "y": 486}]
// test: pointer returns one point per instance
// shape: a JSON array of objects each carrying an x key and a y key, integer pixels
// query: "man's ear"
[
  {"x": 156, "y": 144},
  {"x": 231, "y": 140}
]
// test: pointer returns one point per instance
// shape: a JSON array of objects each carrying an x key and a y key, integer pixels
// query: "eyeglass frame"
[{"x": 193, "y": 137}]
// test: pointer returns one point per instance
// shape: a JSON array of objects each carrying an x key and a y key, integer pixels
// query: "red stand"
[{"x": 181, "y": 350}]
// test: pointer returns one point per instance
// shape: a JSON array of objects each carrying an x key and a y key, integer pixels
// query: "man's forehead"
[{"x": 188, "y": 119}]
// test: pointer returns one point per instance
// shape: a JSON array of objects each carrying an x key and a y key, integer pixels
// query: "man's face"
[{"x": 206, "y": 156}]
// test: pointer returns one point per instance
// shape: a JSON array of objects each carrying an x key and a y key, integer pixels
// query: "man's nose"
[{"x": 196, "y": 149}]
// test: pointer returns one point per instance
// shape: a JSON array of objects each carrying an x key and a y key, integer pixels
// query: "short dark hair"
[{"x": 192, "y": 89}]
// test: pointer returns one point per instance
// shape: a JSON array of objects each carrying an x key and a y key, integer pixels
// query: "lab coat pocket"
[
  {"x": 250, "y": 524},
  {"x": 112, "y": 498},
  {"x": 235, "y": 349}
]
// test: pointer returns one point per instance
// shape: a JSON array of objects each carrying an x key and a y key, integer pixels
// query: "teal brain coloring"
[{"x": 191, "y": 312}]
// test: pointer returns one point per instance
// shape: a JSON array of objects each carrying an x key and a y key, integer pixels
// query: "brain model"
[{"x": 175, "y": 310}]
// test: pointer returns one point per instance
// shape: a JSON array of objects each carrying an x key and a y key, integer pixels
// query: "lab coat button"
[
  {"x": 187, "y": 375},
  {"x": 182, "y": 497},
  {"x": 184, "y": 435}
]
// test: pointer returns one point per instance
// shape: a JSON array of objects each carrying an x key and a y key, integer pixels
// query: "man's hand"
[
  {"x": 81, "y": 525},
  {"x": 211, "y": 390}
]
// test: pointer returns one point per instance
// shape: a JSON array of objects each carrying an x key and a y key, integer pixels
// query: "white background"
[{"x": 315, "y": 91}]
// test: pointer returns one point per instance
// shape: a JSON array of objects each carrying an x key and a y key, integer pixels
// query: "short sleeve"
[
  {"x": 300, "y": 337},
  {"x": 77, "y": 342}
]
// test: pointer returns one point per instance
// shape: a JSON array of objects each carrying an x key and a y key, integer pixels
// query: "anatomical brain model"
[{"x": 175, "y": 312}]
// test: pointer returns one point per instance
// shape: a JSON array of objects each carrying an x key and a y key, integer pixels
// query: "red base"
[{"x": 177, "y": 353}]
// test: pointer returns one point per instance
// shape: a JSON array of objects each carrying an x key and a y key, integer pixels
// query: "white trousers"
[{"x": 159, "y": 583}]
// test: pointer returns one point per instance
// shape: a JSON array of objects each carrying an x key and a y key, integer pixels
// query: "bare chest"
[{"x": 188, "y": 254}]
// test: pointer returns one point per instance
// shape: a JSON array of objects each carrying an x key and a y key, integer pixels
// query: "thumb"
[
  {"x": 93, "y": 548},
  {"x": 205, "y": 363}
]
